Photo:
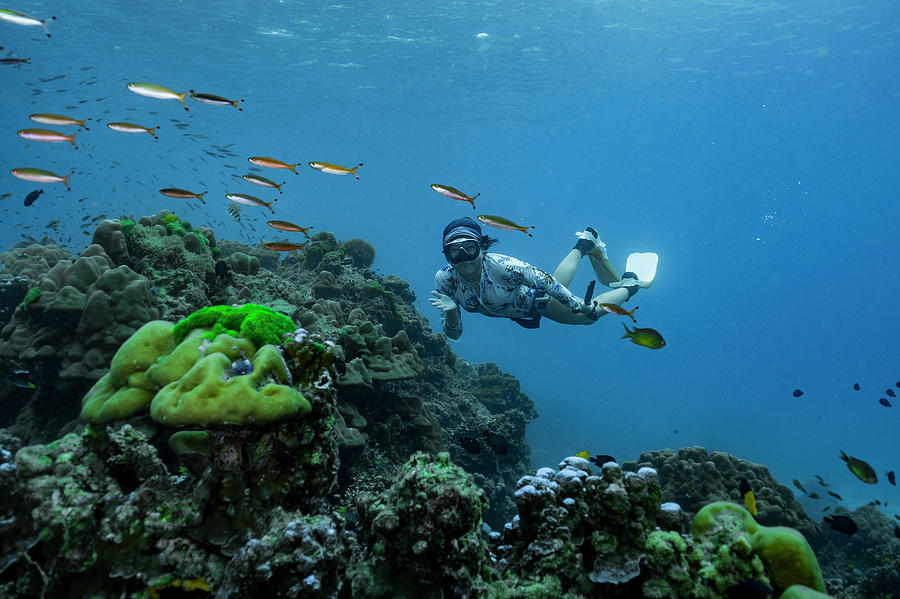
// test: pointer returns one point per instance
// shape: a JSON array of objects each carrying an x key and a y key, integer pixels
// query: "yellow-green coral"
[
  {"x": 788, "y": 557},
  {"x": 191, "y": 383},
  {"x": 201, "y": 396}
]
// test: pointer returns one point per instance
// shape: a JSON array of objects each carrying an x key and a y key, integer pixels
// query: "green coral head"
[
  {"x": 705, "y": 520},
  {"x": 260, "y": 324},
  {"x": 788, "y": 557}
]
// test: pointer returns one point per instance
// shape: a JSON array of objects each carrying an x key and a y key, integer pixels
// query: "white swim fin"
[{"x": 643, "y": 265}]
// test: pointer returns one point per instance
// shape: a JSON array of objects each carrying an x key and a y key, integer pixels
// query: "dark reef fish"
[
  {"x": 470, "y": 444},
  {"x": 214, "y": 100},
  {"x": 496, "y": 442},
  {"x": 222, "y": 269},
  {"x": 31, "y": 197},
  {"x": 860, "y": 469},
  {"x": 884, "y": 402},
  {"x": 856, "y": 386},
  {"x": 897, "y": 531},
  {"x": 891, "y": 478},
  {"x": 835, "y": 495},
  {"x": 890, "y": 392},
  {"x": 798, "y": 393},
  {"x": 844, "y": 524},
  {"x": 599, "y": 460},
  {"x": 798, "y": 485}
]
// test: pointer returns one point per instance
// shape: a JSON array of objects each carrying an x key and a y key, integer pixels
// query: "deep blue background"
[{"x": 753, "y": 146}]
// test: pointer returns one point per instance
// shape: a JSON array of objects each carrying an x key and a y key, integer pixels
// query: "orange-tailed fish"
[
  {"x": 503, "y": 223},
  {"x": 151, "y": 90},
  {"x": 248, "y": 200},
  {"x": 455, "y": 194},
  {"x": 335, "y": 169},
  {"x": 749, "y": 497},
  {"x": 174, "y": 192},
  {"x": 617, "y": 309},
  {"x": 214, "y": 100},
  {"x": 56, "y": 119},
  {"x": 17, "y": 18},
  {"x": 283, "y": 225},
  {"x": 273, "y": 163},
  {"x": 284, "y": 246},
  {"x": 40, "y": 176},
  {"x": 645, "y": 337},
  {"x": 132, "y": 128},
  {"x": 47, "y": 135},
  {"x": 860, "y": 469},
  {"x": 263, "y": 182}
]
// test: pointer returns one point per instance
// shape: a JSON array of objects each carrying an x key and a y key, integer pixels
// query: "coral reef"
[
  {"x": 693, "y": 477},
  {"x": 234, "y": 453},
  {"x": 423, "y": 535}
]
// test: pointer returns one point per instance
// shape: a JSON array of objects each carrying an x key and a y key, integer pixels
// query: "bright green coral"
[
  {"x": 259, "y": 324},
  {"x": 189, "y": 381},
  {"x": 788, "y": 557},
  {"x": 200, "y": 397}
]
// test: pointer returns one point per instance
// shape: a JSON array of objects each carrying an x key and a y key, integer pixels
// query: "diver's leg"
[
  {"x": 587, "y": 240},
  {"x": 559, "y": 312},
  {"x": 565, "y": 272}
]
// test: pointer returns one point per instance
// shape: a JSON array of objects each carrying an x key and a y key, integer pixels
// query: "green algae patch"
[{"x": 260, "y": 324}]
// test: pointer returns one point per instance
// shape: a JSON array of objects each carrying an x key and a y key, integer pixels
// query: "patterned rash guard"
[{"x": 508, "y": 289}]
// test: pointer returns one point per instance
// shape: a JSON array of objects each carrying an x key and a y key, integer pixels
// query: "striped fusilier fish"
[
  {"x": 263, "y": 182},
  {"x": 335, "y": 169},
  {"x": 132, "y": 128},
  {"x": 285, "y": 246},
  {"x": 454, "y": 194},
  {"x": 175, "y": 192},
  {"x": 57, "y": 119},
  {"x": 248, "y": 200},
  {"x": 213, "y": 100},
  {"x": 504, "y": 223},
  {"x": 283, "y": 225},
  {"x": 18, "y": 18},
  {"x": 151, "y": 90},
  {"x": 47, "y": 135},
  {"x": 37, "y": 175},
  {"x": 273, "y": 163}
]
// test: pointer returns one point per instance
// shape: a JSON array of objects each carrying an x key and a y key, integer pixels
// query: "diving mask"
[{"x": 462, "y": 250}]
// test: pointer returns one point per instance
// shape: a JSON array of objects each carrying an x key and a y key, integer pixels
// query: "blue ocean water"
[{"x": 753, "y": 146}]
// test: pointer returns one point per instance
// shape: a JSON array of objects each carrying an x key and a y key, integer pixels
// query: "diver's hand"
[
  {"x": 442, "y": 302},
  {"x": 589, "y": 309}
]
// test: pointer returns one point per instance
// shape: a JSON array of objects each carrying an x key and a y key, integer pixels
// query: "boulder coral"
[
  {"x": 184, "y": 373},
  {"x": 88, "y": 306}
]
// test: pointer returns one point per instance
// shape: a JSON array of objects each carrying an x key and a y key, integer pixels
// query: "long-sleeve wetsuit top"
[{"x": 507, "y": 289}]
